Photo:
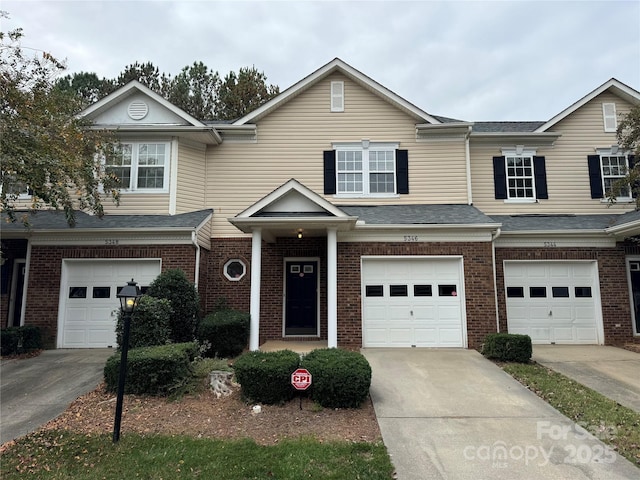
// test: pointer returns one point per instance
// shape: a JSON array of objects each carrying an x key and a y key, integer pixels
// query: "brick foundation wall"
[
  {"x": 46, "y": 265},
  {"x": 614, "y": 292}
]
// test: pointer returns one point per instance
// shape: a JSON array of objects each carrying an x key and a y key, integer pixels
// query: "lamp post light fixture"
[{"x": 129, "y": 296}]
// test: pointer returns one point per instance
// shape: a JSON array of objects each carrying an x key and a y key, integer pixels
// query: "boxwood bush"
[
  {"x": 265, "y": 377},
  {"x": 159, "y": 370},
  {"x": 340, "y": 378},
  {"x": 507, "y": 347},
  {"x": 15, "y": 340},
  {"x": 227, "y": 331},
  {"x": 185, "y": 303},
  {"x": 149, "y": 323}
]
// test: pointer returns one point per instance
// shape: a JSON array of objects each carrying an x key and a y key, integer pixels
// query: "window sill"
[
  {"x": 521, "y": 200},
  {"x": 619, "y": 200},
  {"x": 361, "y": 195}
]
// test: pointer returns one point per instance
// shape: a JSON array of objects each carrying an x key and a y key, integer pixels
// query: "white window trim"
[
  {"x": 337, "y": 94},
  {"x": 364, "y": 146},
  {"x": 608, "y": 119},
  {"x": 134, "y": 189},
  {"x": 520, "y": 152},
  {"x": 238, "y": 278},
  {"x": 609, "y": 152}
]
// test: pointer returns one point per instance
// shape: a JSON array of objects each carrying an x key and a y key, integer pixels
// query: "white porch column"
[
  {"x": 254, "y": 309},
  {"x": 332, "y": 288}
]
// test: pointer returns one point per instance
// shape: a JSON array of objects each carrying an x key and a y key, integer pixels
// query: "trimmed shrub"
[
  {"x": 265, "y": 377},
  {"x": 158, "y": 370},
  {"x": 9, "y": 340},
  {"x": 185, "y": 303},
  {"x": 227, "y": 331},
  {"x": 149, "y": 323},
  {"x": 20, "y": 339},
  {"x": 340, "y": 378},
  {"x": 507, "y": 347}
]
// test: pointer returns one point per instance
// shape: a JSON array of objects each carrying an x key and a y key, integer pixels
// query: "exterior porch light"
[
  {"x": 129, "y": 296},
  {"x": 300, "y": 233}
]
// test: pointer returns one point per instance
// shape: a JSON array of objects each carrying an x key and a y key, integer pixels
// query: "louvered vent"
[{"x": 137, "y": 110}]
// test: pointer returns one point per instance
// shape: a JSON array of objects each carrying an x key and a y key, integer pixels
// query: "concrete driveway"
[
  {"x": 452, "y": 414},
  {"x": 613, "y": 372},
  {"x": 36, "y": 390}
]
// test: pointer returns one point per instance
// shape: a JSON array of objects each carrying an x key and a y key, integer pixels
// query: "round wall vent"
[{"x": 137, "y": 110}]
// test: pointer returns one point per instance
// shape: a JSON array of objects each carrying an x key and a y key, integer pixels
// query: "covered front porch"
[{"x": 295, "y": 213}]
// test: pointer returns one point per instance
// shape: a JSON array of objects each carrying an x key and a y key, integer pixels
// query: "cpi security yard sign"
[{"x": 301, "y": 379}]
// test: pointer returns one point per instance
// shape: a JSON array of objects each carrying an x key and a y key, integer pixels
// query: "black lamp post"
[{"x": 129, "y": 296}]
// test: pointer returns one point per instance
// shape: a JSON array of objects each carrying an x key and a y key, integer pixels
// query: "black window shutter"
[
  {"x": 540, "y": 174},
  {"x": 402, "y": 171},
  {"x": 499, "y": 178},
  {"x": 636, "y": 185},
  {"x": 595, "y": 179},
  {"x": 329, "y": 172}
]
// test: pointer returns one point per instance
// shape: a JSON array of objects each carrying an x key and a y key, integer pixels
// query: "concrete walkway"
[
  {"x": 34, "y": 391},
  {"x": 611, "y": 371},
  {"x": 452, "y": 414}
]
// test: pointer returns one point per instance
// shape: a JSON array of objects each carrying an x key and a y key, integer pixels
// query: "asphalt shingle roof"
[
  {"x": 418, "y": 214},
  {"x": 55, "y": 220},
  {"x": 506, "y": 127},
  {"x": 627, "y": 218},
  {"x": 514, "y": 223}
]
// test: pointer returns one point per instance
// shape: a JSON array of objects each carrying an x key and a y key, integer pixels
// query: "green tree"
[
  {"x": 86, "y": 85},
  {"x": 147, "y": 74},
  {"x": 46, "y": 149},
  {"x": 240, "y": 94},
  {"x": 628, "y": 134},
  {"x": 194, "y": 90}
]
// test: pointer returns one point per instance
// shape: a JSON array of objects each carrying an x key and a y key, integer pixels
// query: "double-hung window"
[
  {"x": 366, "y": 169},
  {"x": 140, "y": 166},
  {"x": 520, "y": 176},
  {"x": 614, "y": 168},
  {"x": 520, "y": 180}
]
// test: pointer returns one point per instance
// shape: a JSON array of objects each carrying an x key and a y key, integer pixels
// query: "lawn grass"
[
  {"x": 64, "y": 455},
  {"x": 604, "y": 418}
]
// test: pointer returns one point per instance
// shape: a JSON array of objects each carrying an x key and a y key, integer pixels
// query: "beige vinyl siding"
[
  {"x": 290, "y": 145},
  {"x": 138, "y": 204},
  {"x": 566, "y": 165},
  {"x": 190, "y": 194}
]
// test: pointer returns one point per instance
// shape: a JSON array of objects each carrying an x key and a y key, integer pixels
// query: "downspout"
[
  {"x": 25, "y": 289},
  {"x": 494, "y": 237},
  {"x": 194, "y": 240},
  {"x": 468, "y": 160}
]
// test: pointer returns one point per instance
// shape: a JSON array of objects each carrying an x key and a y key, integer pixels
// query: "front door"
[{"x": 301, "y": 297}]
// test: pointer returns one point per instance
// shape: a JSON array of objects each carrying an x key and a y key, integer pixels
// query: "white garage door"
[
  {"x": 554, "y": 302},
  {"x": 413, "y": 302},
  {"x": 88, "y": 302}
]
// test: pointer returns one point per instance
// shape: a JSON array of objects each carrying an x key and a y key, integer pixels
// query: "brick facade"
[
  {"x": 478, "y": 271},
  {"x": 46, "y": 266},
  {"x": 614, "y": 292}
]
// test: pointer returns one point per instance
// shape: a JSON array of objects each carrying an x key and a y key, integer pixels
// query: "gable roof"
[
  {"x": 129, "y": 89},
  {"x": 615, "y": 86},
  {"x": 337, "y": 65}
]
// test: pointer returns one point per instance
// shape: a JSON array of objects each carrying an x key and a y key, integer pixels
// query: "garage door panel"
[
  {"x": 568, "y": 307},
  {"x": 417, "y": 318},
  {"x": 89, "y": 320}
]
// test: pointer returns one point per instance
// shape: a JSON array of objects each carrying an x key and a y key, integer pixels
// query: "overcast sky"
[{"x": 474, "y": 60}]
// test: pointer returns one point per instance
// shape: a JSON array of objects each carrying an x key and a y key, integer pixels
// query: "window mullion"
[{"x": 365, "y": 172}]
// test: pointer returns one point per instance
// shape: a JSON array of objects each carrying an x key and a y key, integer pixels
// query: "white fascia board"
[
  {"x": 625, "y": 230},
  {"x": 542, "y": 139},
  {"x": 205, "y": 134},
  {"x": 246, "y": 225},
  {"x": 127, "y": 90},
  {"x": 336, "y": 65},
  {"x": 618, "y": 88}
]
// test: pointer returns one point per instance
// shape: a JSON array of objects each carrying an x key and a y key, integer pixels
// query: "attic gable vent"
[{"x": 137, "y": 110}]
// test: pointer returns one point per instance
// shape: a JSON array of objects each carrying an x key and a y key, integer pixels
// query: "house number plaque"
[
  {"x": 410, "y": 238},
  {"x": 111, "y": 241}
]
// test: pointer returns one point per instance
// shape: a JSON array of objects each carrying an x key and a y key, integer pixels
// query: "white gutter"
[{"x": 494, "y": 237}]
